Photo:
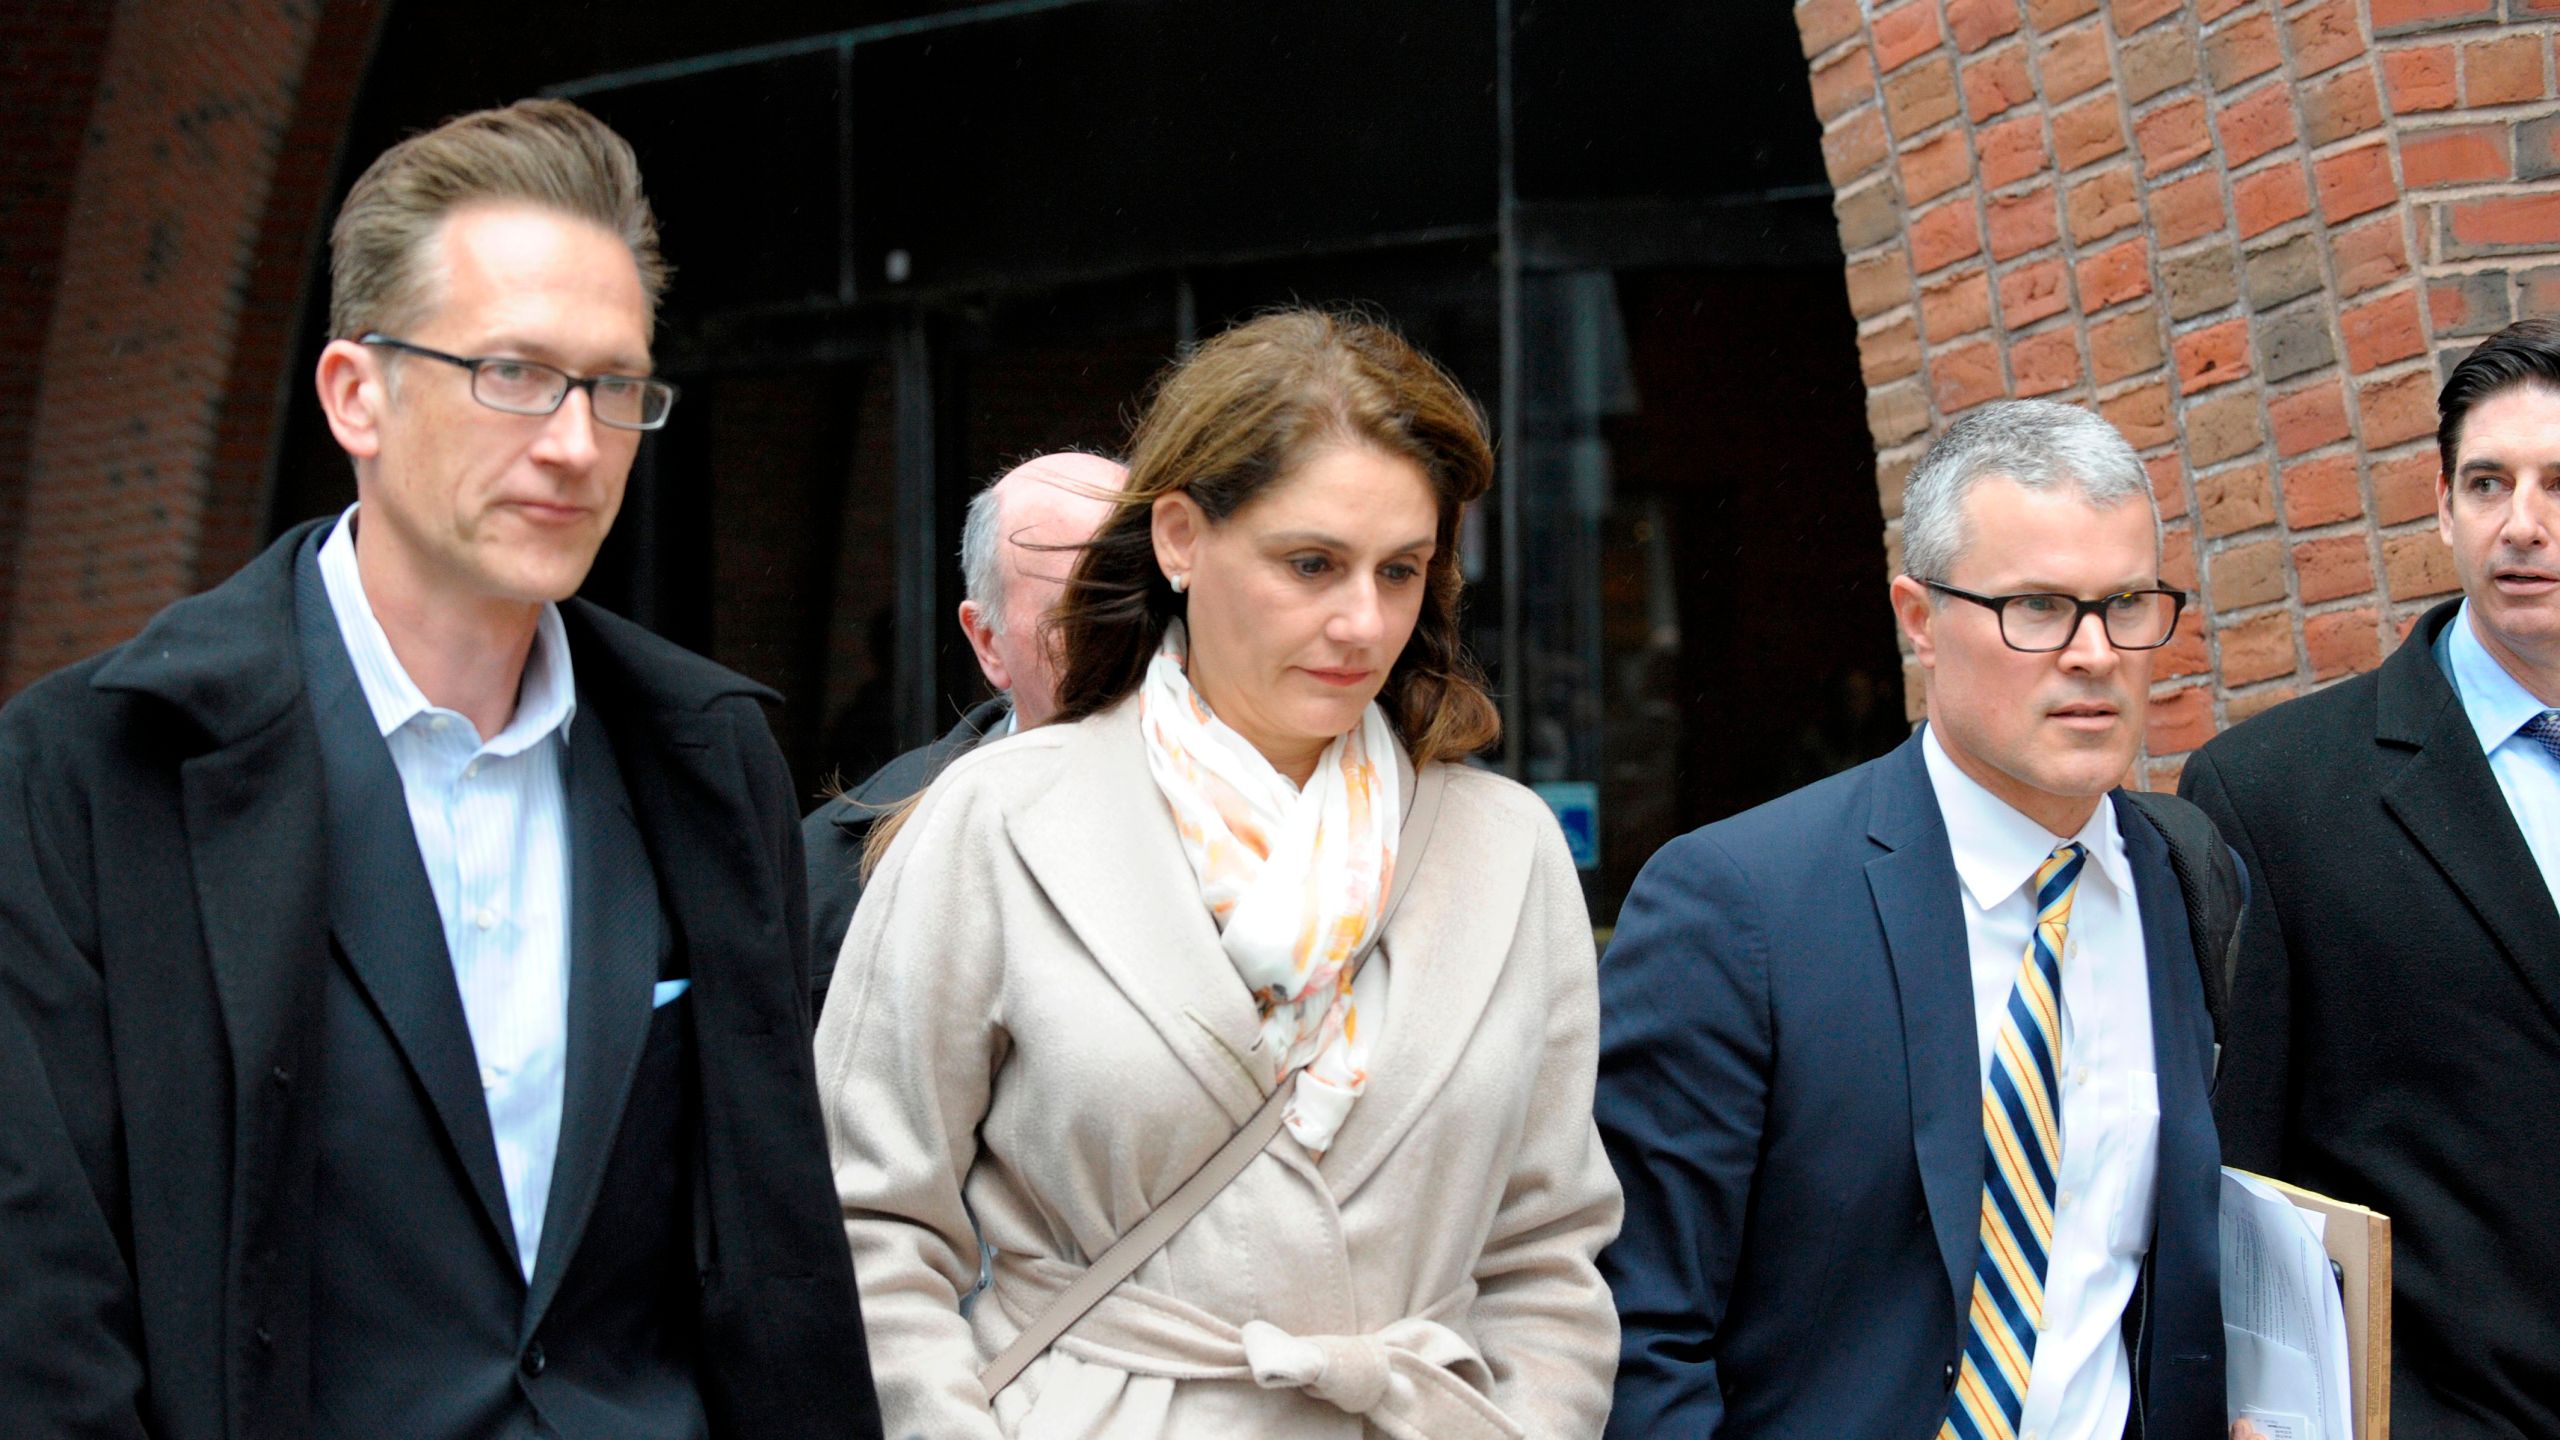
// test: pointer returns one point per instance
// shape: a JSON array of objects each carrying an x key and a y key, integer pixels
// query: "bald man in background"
[{"x": 1013, "y": 573}]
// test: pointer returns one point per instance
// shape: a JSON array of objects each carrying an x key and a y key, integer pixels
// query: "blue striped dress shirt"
[{"x": 492, "y": 828}]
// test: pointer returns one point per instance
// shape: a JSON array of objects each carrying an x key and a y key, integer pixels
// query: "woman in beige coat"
[{"x": 1092, "y": 951}]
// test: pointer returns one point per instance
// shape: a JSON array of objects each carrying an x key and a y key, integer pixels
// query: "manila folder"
[{"x": 2360, "y": 1241}]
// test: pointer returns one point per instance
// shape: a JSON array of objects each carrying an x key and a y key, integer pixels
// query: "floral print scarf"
[{"x": 1295, "y": 880}]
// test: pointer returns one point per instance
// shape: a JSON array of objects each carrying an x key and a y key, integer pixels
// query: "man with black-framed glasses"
[
  {"x": 1906, "y": 1074},
  {"x": 417, "y": 954}
]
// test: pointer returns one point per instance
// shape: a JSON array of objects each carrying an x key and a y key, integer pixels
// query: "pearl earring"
[{"x": 1180, "y": 583}]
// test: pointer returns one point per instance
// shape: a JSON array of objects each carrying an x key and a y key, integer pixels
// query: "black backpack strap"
[{"x": 2210, "y": 879}]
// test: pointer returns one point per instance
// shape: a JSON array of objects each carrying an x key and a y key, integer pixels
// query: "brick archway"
[
  {"x": 172, "y": 309},
  {"x": 2249, "y": 232}
]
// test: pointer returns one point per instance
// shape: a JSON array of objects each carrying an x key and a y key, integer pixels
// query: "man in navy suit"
[{"x": 1907, "y": 1074}]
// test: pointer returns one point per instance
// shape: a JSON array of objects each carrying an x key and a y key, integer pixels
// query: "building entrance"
[{"x": 913, "y": 252}]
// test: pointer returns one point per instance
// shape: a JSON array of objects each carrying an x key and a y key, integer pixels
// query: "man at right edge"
[{"x": 2395, "y": 1023}]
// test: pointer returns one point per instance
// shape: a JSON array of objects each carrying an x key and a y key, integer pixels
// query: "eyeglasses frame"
[
  {"x": 587, "y": 383},
  {"x": 1998, "y": 605}
]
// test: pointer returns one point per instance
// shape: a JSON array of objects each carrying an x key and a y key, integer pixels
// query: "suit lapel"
[
  {"x": 255, "y": 844},
  {"x": 685, "y": 771},
  {"x": 615, "y": 938},
  {"x": 382, "y": 910},
  {"x": 1102, "y": 846},
  {"x": 1445, "y": 950},
  {"x": 2448, "y": 800},
  {"x": 1914, "y": 888},
  {"x": 2182, "y": 1036}
]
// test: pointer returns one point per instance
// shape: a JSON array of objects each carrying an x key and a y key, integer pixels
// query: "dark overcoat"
[
  {"x": 836, "y": 833},
  {"x": 164, "y": 855},
  {"x": 2395, "y": 1027}
]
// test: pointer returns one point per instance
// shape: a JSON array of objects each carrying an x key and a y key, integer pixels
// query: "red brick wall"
[
  {"x": 278, "y": 305},
  {"x": 159, "y": 254},
  {"x": 2249, "y": 232},
  {"x": 49, "y": 56}
]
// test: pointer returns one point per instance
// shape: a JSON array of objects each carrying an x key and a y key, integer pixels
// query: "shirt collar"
[
  {"x": 2496, "y": 703},
  {"x": 546, "y": 699},
  {"x": 1997, "y": 847}
]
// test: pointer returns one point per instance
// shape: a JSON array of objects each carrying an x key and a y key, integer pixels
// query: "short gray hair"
[
  {"x": 981, "y": 553},
  {"x": 2036, "y": 444}
]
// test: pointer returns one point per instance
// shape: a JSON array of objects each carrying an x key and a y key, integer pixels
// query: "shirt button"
[
  {"x": 487, "y": 919},
  {"x": 471, "y": 771},
  {"x": 437, "y": 723},
  {"x": 488, "y": 1077},
  {"x": 2062, "y": 1202}
]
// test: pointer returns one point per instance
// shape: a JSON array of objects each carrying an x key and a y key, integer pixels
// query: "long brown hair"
[
  {"x": 1240, "y": 413},
  {"x": 1244, "y": 410}
]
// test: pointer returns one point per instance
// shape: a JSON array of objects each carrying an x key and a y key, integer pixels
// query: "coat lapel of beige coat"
[
  {"x": 1445, "y": 951},
  {"x": 1102, "y": 846}
]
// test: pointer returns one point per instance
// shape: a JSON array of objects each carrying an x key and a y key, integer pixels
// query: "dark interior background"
[{"x": 917, "y": 242}]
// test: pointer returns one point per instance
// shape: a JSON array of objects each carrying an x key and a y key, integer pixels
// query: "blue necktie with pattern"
[{"x": 2544, "y": 730}]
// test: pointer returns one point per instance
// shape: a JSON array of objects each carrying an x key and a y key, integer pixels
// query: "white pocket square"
[{"x": 668, "y": 990}]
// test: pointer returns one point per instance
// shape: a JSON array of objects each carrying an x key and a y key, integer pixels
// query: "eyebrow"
[
  {"x": 2046, "y": 587},
  {"x": 518, "y": 346},
  {"x": 1327, "y": 542}
]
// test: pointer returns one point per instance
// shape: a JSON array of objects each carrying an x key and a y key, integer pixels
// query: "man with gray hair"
[
  {"x": 1016, "y": 549},
  {"x": 1905, "y": 1074}
]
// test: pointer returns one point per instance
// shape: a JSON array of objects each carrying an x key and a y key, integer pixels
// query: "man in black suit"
[
  {"x": 413, "y": 952},
  {"x": 1906, "y": 1074},
  {"x": 1016, "y": 548},
  {"x": 2395, "y": 1028}
]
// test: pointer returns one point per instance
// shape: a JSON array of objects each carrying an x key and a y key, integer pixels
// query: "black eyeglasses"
[
  {"x": 529, "y": 387},
  {"x": 2040, "y": 623}
]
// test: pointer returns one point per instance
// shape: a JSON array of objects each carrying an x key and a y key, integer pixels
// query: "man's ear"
[
  {"x": 1912, "y": 609},
  {"x": 2444, "y": 507},
  {"x": 979, "y": 626},
  {"x": 353, "y": 392},
  {"x": 1179, "y": 524}
]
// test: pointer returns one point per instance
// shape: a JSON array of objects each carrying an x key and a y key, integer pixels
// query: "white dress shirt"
[
  {"x": 2080, "y": 1384},
  {"x": 2498, "y": 706},
  {"x": 492, "y": 828}
]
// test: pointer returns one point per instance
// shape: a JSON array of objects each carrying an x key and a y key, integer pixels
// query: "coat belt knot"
[{"x": 1413, "y": 1379}]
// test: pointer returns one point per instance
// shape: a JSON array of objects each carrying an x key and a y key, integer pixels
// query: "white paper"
[
  {"x": 2267, "y": 1425},
  {"x": 2284, "y": 1325}
]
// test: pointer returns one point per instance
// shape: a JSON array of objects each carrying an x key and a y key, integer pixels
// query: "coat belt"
[{"x": 1414, "y": 1379}]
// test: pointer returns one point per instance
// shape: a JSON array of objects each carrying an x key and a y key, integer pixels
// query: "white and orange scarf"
[{"x": 1294, "y": 878}]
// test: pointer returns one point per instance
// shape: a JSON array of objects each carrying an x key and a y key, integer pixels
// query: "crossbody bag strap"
[{"x": 1150, "y": 1234}]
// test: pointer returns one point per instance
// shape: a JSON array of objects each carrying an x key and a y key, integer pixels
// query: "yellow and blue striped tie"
[{"x": 2022, "y": 1141}]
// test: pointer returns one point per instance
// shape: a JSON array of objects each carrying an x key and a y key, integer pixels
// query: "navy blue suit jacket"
[{"x": 1790, "y": 1089}]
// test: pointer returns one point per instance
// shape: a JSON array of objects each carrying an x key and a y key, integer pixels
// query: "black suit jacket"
[
  {"x": 2395, "y": 1029},
  {"x": 165, "y": 899},
  {"x": 1791, "y": 1091},
  {"x": 835, "y": 833}
]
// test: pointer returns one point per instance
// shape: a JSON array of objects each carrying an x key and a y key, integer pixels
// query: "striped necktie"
[{"x": 2022, "y": 1141}]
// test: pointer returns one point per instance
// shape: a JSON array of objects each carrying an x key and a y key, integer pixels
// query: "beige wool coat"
[{"x": 1033, "y": 1025}]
